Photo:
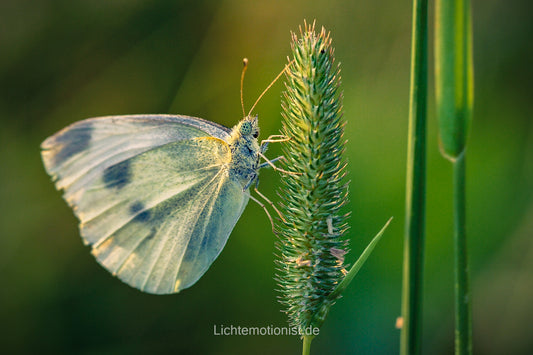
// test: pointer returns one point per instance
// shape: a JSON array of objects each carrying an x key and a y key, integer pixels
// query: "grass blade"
[{"x": 410, "y": 342}]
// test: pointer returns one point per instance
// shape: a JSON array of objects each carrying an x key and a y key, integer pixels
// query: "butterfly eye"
[
  {"x": 246, "y": 128},
  {"x": 256, "y": 134}
]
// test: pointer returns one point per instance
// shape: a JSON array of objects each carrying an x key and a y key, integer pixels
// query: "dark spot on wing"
[
  {"x": 118, "y": 175},
  {"x": 160, "y": 213},
  {"x": 152, "y": 234},
  {"x": 143, "y": 216},
  {"x": 136, "y": 207},
  {"x": 72, "y": 142}
]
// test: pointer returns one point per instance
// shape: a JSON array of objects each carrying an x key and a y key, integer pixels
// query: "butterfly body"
[
  {"x": 245, "y": 150},
  {"x": 156, "y": 195}
]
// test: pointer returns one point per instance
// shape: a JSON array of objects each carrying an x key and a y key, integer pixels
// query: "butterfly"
[{"x": 157, "y": 196}]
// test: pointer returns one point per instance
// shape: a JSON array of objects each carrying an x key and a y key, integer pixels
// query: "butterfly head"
[{"x": 249, "y": 127}]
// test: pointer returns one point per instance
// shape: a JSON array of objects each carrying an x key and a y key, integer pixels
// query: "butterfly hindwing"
[
  {"x": 162, "y": 242},
  {"x": 155, "y": 215}
]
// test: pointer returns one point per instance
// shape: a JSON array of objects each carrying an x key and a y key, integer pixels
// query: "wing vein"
[
  {"x": 167, "y": 236},
  {"x": 213, "y": 200}
]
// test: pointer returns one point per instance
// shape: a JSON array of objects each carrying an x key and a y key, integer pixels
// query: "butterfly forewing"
[{"x": 74, "y": 155}]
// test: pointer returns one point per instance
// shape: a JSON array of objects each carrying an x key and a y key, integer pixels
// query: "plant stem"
[
  {"x": 454, "y": 92},
  {"x": 463, "y": 319},
  {"x": 416, "y": 186},
  {"x": 306, "y": 350},
  {"x": 454, "y": 74}
]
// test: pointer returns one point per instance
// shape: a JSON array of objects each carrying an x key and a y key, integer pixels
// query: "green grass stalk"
[
  {"x": 306, "y": 349},
  {"x": 454, "y": 90},
  {"x": 463, "y": 312},
  {"x": 413, "y": 264},
  {"x": 454, "y": 84}
]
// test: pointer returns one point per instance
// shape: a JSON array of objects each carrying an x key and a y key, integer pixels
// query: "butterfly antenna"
[
  {"x": 245, "y": 66},
  {"x": 269, "y": 86}
]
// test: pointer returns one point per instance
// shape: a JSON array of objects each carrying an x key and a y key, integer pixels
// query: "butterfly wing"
[
  {"x": 74, "y": 155},
  {"x": 158, "y": 218}
]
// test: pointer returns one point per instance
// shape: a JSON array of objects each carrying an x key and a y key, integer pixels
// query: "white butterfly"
[{"x": 157, "y": 196}]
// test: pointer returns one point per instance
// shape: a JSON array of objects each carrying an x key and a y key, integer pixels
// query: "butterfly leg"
[
  {"x": 270, "y": 162},
  {"x": 264, "y": 165},
  {"x": 264, "y": 146},
  {"x": 275, "y": 138},
  {"x": 264, "y": 208},
  {"x": 269, "y": 202},
  {"x": 254, "y": 178}
]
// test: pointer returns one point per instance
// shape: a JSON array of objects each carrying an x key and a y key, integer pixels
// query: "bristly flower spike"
[
  {"x": 311, "y": 268},
  {"x": 311, "y": 249}
]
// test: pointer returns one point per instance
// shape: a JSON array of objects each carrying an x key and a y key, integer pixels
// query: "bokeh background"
[{"x": 63, "y": 61}]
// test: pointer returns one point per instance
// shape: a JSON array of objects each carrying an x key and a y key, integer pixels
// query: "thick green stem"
[
  {"x": 454, "y": 74},
  {"x": 413, "y": 264},
  {"x": 463, "y": 319},
  {"x": 454, "y": 91},
  {"x": 306, "y": 350}
]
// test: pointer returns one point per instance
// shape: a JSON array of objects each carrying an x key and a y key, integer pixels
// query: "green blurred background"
[{"x": 63, "y": 61}]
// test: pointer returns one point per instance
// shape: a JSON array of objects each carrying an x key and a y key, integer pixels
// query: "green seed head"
[{"x": 312, "y": 245}]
